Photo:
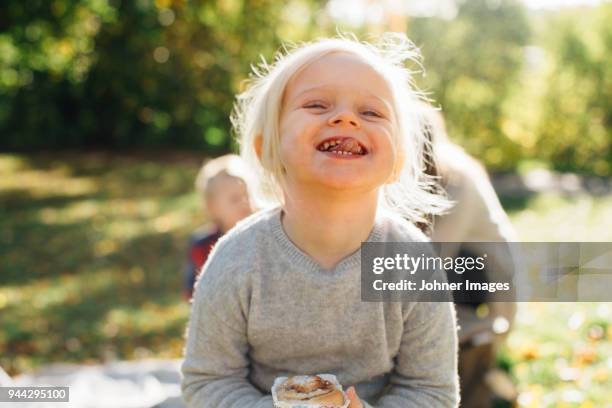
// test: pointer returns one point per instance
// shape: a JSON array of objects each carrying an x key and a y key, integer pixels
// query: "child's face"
[
  {"x": 335, "y": 106},
  {"x": 229, "y": 202}
]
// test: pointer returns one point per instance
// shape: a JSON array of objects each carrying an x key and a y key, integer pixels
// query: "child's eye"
[
  {"x": 372, "y": 113},
  {"x": 315, "y": 105}
]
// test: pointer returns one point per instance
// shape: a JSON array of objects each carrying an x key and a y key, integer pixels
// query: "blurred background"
[{"x": 109, "y": 107}]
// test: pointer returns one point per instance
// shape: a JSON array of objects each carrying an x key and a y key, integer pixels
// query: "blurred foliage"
[
  {"x": 513, "y": 84},
  {"x": 472, "y": 63},
  {"x": 516, "y": 86},
  {"x": 129, "y": 73},
  {"x": 575, "y": 126}
]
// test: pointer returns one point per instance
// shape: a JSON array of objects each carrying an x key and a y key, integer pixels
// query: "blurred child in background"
[{"x": 222, "y": 184}]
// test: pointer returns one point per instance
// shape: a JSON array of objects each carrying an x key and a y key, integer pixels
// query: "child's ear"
[{"x": 258, "y": 145}]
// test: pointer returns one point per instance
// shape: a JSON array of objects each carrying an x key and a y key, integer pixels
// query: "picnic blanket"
[{"x": 122, "y": 384}]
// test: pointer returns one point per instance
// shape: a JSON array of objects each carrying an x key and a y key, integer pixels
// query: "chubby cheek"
[
  {"x": 389, "y": 157},
  {"x": 292, "y": 158},
  {"x": 300, "y": 125},
  {"x": 296, "y": 144},
  {"x": 383, "y": 142}
]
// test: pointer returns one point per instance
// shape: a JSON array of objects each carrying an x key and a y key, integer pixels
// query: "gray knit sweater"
[{"x": 262, "y": 309}]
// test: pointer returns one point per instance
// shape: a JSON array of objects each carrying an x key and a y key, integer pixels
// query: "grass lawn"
[
  {"x": 92, "y": 248},
  {"x": 561, "y": 353}
]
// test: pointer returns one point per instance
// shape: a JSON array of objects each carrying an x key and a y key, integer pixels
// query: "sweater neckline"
[{"x": 301, "y": 259}]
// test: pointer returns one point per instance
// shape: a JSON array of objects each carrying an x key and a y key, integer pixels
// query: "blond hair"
[
  {"x": 230, "y": 165},
  {"x": 257, "y": 113}
]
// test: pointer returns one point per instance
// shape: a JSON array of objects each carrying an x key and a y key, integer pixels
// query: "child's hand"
[{"x": 352, "y": 396}]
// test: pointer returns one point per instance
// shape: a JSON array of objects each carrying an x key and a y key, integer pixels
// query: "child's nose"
[{"x": 346, "y": 117}]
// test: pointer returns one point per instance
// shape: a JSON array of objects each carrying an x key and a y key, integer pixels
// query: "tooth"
[
  {"x": 325, "y": 145},
  {"x": 350, "y": 153}
]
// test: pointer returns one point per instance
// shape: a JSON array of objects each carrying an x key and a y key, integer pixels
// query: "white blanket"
[{"x": 124, "y": 384}]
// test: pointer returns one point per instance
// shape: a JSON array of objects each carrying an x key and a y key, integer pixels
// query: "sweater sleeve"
[
  {"x": 425, "y": 374},
  {"x": 216, "y": 364}
]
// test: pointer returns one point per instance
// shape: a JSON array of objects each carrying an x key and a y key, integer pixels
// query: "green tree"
[
  {"x": 131, "y": 73},
  {"x": 472, "y": 63},
  {"x": 575, "y": 127}
]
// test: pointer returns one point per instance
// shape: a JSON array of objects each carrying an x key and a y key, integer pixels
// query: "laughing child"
[{"x": 332, "y": 133}]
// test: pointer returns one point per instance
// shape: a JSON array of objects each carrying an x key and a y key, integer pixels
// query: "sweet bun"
[
  {"x": 310, "y": 390},
  {"x": 333, "y": 398}
]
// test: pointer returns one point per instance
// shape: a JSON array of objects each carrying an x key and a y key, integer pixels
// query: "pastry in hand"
[{"x": 313, "y": 390}]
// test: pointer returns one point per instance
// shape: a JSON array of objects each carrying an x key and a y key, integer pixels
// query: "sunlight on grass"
[
  {"x": 93, "y": 248},
  {"x": 550, "y": 217},
  {"x": 9, "y": 164},
  {"x": 44, "y": 183},
  {"x": 561, "y": 354}
]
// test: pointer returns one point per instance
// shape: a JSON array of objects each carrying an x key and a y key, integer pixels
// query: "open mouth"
[{"x": 346, "y": 146}]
